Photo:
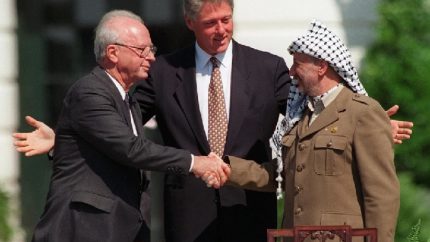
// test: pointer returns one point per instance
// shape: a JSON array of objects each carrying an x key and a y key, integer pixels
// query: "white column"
[{"x": 9, "y": 108}]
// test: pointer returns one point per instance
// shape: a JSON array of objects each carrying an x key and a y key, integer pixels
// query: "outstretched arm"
[
  {"x": 401, "y": 130},
  {"x": 40, "y": 141}
]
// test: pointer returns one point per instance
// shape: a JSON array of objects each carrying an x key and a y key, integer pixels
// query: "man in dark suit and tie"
[
  {"x": 255, "y": 87},
  {"x": 178, "y": 92},
  {"x": 96, "y": 183}
]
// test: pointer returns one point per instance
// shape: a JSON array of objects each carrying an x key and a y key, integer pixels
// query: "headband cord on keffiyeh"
[{"x": 320, "y": 43}]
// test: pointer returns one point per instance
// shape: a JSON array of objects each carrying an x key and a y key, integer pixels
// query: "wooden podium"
[{"x": 322, "y": 233}]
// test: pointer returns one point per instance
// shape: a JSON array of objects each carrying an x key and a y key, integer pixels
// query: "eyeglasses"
[{"x": 144, "y": 52}]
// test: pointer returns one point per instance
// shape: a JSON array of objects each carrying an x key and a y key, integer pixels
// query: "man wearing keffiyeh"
[
  {"x": 42, "y": 138},
  {"x": 334, "y": 147}
]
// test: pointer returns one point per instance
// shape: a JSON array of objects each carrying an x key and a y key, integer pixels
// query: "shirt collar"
[
  {"x": 202, "y": 58},
  {"x": 318, "y": 103},
  {"x": 117, "y": 85}
]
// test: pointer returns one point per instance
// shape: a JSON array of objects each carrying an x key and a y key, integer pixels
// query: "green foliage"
[
  {"x": 280, "y": 205},
  {"x": 5, "y": 229},
  {"x": 414, "y": 207},
  {"x": 415, "y": 232},
  {"x": 396, "y": 70}
]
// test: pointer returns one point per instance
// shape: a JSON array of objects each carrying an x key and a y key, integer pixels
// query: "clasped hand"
[{"x": 211, "y": 169}]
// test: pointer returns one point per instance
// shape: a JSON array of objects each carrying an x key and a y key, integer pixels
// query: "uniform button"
[
  {"x": 330, "y": 144},
  {"x": 302, "y": 146},
  {"x": 298, "y": 211},
  {"x": 299, "y": 189},
  {"x": 300, "y": 167}
]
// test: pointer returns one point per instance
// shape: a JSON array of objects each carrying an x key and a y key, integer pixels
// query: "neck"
[
  {"x": 327, "y": 83},
  {"x": 327, "y": 87},
  {"x": 118, "y": 78}
]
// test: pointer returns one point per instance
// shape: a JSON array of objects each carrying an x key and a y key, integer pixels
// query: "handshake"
[{"x": 211, "y": 169}]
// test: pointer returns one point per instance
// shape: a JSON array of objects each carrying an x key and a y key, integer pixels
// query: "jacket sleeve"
[
  {"x": 250, "y": 175},
  {"x": 373, "y": 147},
  {"x": 97, "y": 119}
]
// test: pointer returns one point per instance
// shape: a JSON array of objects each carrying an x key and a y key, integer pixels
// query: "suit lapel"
[
  {"x": 137, "y": 115},
  {"x": 186, "y": 96},
  {"x": 330, "y": 114},
  {"x": 239, "y": 96},
  {"x": 101, "y": 75},
  {"x": 126, "y": 113},
  {"x": 303, "y": 125}
]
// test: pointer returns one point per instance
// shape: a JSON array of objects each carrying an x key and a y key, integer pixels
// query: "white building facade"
[
  {"x": 271, "y": 25},
  {"x": 9, "y": 171}
]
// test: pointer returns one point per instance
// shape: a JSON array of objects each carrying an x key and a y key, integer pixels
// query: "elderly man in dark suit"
[
  {"x": 255, "y": 87},
  {"x": 335, "y": 150},
  {"x": 96, "y": 183}
]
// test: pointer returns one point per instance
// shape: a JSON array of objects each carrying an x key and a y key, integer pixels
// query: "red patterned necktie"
[{"x": 217, "y": 111}]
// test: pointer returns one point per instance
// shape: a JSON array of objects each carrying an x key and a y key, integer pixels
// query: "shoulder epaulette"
[{"x": 361, "y": 98}]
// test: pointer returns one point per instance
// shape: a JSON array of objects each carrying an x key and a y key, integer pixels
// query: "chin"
[
  {"x": 221, "y": 49},
  {"x": 143, "y": 77}
]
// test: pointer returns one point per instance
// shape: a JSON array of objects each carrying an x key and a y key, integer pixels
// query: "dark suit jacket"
[
  {"x": 259, "y": 90},
  {"x": 95, "y": 187}
]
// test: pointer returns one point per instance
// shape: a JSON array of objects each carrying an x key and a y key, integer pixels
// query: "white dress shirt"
[
  {"x": 122, "y": 92},
  {"x": 203, "y": 77}
]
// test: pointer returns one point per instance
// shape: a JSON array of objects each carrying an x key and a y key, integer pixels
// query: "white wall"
[
  {"x": 9, "y": 171},
  {"x": 271, "y": 25}
]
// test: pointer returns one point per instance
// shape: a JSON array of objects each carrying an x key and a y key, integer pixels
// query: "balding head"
[{"x": 110, "y": 30}]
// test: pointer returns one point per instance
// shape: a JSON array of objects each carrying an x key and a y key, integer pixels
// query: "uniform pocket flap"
[
  {"x": 98, "y": 201},
  {"x": 330, "y": 142}
]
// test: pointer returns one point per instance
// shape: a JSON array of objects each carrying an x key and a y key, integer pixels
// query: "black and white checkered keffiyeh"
[{"x": 320, "y": 43}]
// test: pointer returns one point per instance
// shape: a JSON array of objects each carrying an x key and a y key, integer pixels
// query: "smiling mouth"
[
  {"x": 219, "y": 41},
  {"x": 220, "y": 38}
]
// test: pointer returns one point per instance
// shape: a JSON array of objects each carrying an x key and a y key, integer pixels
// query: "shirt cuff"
[
  {"x": 51, "y": 154},
  {"x": 192, "y": 163}
]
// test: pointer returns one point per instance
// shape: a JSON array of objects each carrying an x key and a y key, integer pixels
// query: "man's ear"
[
  {"x": 189, "y": 22},
  {"x": 323, "y": 67},
  {"x": 112, "y": 53}
]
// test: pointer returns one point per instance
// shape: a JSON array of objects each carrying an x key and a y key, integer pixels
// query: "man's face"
[
  {"x": 213, "y": 27},
  {"x": 132, "y": 64},
  {"x": 305, "y": 71}
]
